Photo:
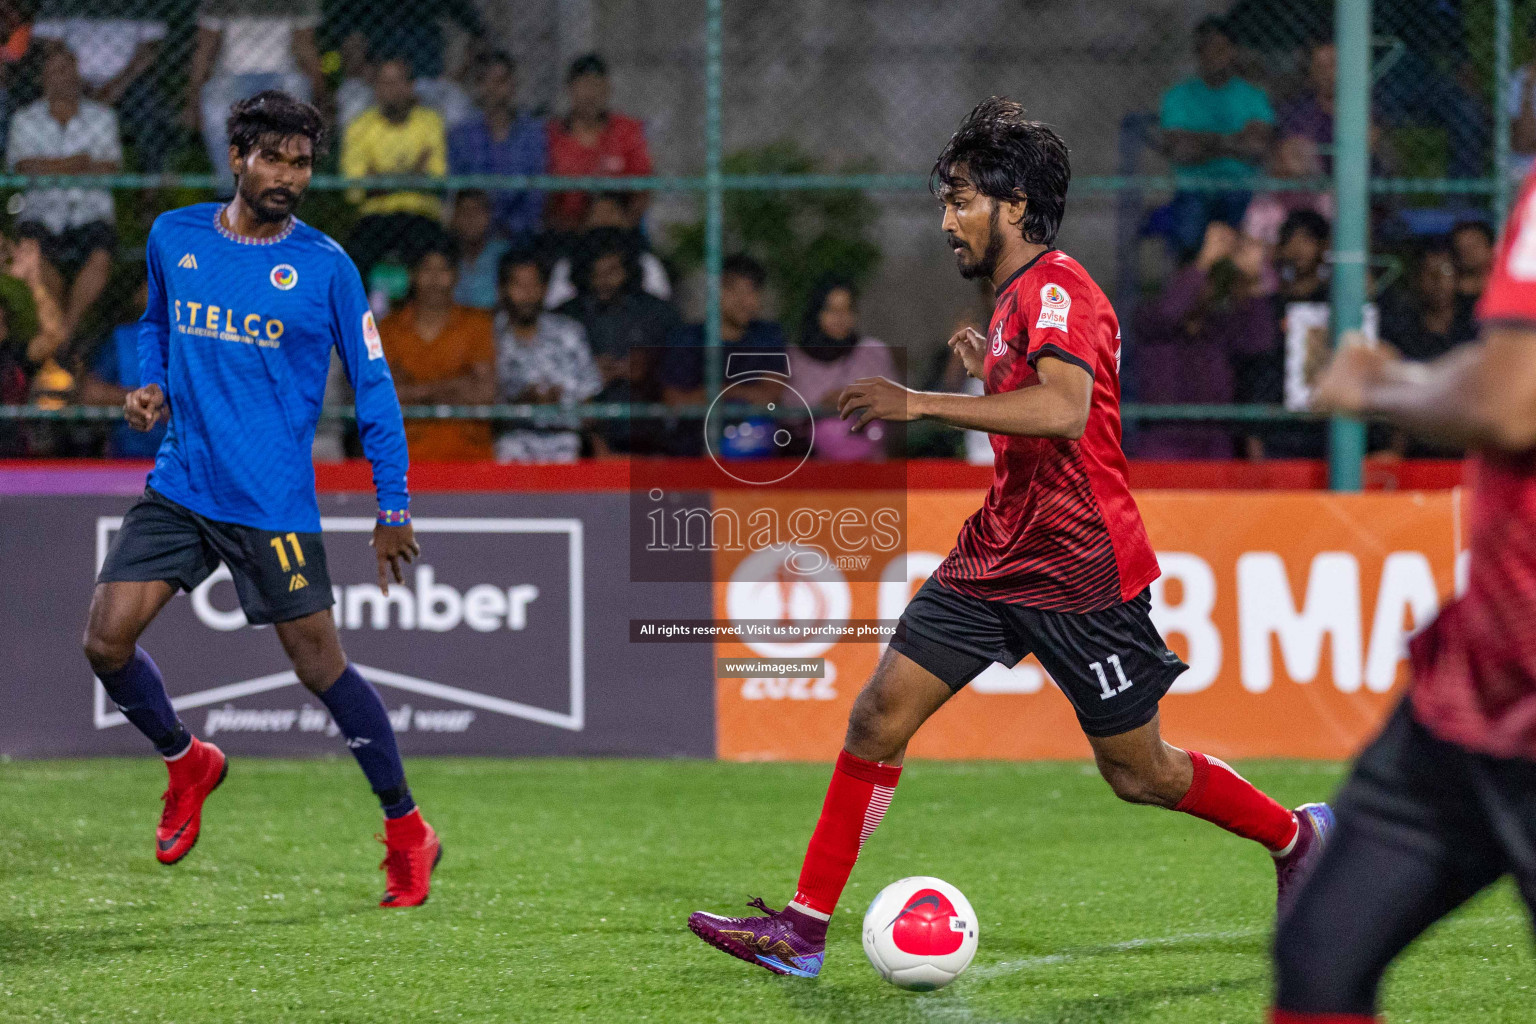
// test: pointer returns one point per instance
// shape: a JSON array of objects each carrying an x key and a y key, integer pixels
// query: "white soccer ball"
[{"x": 920, "y": 933}]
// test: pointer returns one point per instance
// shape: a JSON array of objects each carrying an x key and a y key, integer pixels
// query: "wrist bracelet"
[{"x": 394, "y": 517}]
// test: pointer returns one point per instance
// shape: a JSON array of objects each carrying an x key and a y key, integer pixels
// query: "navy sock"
[
  {"x": 139, "y": 693},
  {"x": 397, "y": 802},
  {"x": 360, "y": 715}
]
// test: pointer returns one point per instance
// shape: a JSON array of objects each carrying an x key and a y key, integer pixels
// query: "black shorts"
[
  {"x": 70, "y": 248},
  {"x": 279, "y": 576},
  {"x": 1113, "y": 664},
  {"x": 1423, "y": 826},
  {"x": 1473, "y": 813}
]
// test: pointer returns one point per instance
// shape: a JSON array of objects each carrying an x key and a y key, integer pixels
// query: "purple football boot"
[
  {"x": 785, "y": 941},
  {"x": 1315, "y": 823}
]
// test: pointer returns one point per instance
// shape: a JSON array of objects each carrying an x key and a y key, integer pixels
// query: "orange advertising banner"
[{"x": 1292, "y": 610}]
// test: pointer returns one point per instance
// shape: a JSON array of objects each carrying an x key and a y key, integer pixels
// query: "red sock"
[
  {"x": 857, "y": 797},
  {"x": 1288, "y": 1017},
  {"x": 1221, "y": 796}
]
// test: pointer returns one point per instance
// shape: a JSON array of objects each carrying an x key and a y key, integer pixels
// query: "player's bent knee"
[
  {"x": 318, "y": 668},
  {"x": 873, "y": 736},
  {"x": 105, "y": 653},
  {"x": 877, "y": 730},
  {"x": 315, "y": 650},
  {"x": 892, "y": 706}
]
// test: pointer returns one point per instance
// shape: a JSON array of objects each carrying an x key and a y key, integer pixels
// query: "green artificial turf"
[{"x": 565, "y": 886}]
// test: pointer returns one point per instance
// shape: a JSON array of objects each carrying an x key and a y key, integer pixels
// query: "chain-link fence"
[{"x": 797, "y": 134}]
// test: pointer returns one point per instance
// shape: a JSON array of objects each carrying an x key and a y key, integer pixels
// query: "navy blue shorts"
[{"x": 279, "y": 576}]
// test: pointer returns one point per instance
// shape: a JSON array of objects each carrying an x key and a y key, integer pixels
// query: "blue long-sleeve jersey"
[{"x": 239, "y": 334}]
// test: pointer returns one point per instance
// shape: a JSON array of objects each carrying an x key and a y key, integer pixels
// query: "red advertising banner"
[{"x": 1291, "y": 608}]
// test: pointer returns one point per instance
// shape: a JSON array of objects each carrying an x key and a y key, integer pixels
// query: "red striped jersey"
[
  {"x": 1474, "y": 668},
  {"x": 1059, "y": 529}
]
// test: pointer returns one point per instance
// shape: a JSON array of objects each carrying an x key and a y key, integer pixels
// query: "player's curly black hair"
[
  {"x": 1002, "y": 154},
  {"x": 272, "y": 114}
]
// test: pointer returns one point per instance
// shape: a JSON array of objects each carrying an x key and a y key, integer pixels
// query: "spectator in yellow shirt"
[{"x": 395, "y": 136}]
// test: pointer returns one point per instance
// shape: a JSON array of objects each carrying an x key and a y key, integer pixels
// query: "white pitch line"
[
  {"x": 1182, "y": 939},
  {"x": 1067, "y": 956}
]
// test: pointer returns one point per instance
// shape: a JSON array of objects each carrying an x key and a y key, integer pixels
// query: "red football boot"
[
  {"x": 194, "y": 775},
  {"x": 413, "y": 851}
]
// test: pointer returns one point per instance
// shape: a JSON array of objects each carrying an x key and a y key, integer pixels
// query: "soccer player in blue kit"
[{"x": 246, "y": 304}]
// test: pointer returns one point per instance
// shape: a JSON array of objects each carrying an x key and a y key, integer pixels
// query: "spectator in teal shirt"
[{"x": 1215, "y": 125}]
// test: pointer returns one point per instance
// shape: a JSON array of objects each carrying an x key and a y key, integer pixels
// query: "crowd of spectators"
[
  {"x": 1242, "y": 315},
  {"x": 612, "y": 340},
  {"x": 557, "y": 298},
  {"x": 483, "y": 296}
]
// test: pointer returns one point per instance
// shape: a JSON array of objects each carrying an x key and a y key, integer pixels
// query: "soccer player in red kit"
[
  {"x": 1055, "y": 563},
  {"x": 1443, "y": 802}
]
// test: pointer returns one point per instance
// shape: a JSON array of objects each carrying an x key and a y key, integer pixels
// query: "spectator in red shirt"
[{"x": 592, "y": 140}]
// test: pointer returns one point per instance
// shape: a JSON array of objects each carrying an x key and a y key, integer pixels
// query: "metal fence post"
[
  {"x": 714, "y": 199},
  {"x": 1501, "y": 19},
  {"x": 1351, "y": 170}
]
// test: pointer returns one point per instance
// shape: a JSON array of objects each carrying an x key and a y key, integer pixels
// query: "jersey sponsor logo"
[
  {"x": 1055, "y": 304},
  {"x": 187, "y": 262},
  {"x": 206, "y": 320},
  {"x": 999, "y": 346},
  {"x": 371, "y": 337},
  {"x": 284, "y": 277},
  {"x": 297, "y": 582}
]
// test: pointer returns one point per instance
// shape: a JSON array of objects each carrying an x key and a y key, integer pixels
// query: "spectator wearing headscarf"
[{"x": 829, "y": 354}]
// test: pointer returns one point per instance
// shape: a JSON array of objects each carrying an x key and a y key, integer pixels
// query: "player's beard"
[
  {"x": 262, "y": 206},
  {"x": 986, "y": 263}
]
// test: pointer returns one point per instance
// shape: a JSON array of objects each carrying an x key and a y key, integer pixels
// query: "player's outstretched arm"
[
  {"x": 1057, "y": 407},
  {"x": 1481, "y": 395}
]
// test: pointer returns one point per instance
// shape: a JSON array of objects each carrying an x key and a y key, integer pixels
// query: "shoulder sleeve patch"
[
  {"x": 371, "y": 336},
  {"x": 1055, "y": 304}
]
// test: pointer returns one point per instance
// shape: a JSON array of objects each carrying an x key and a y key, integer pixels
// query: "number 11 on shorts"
[
  {"x": 1109, "y": 691},
  {"x": 298, "y": 556}
]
